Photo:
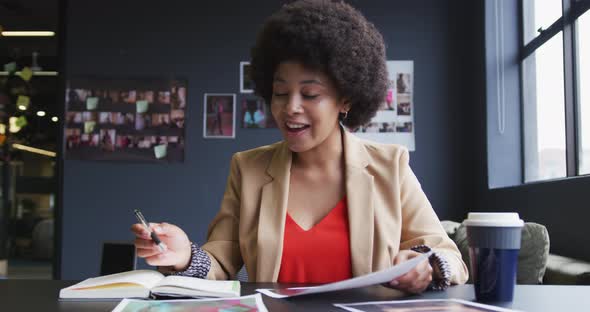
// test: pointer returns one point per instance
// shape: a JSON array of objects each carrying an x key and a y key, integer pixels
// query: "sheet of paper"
[
  {"x": 89, "y": 126},
  {"x": 450, "y": 305},
  {"x": 26, "y": 74},
  {"x": 91, "y": 103},
  {"x": 244, "y": 303},
  {"x": 142, "y": 106},
  {"x": 10, "y": 67},
  {"x": 374, "y": 278},
  {"x": 160, "y": 150}
]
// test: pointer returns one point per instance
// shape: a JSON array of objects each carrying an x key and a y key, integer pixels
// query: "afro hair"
[{"x": 330, "y": 36}]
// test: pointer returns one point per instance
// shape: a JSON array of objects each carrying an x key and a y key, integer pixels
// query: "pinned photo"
[
  {"x": 402, "y": 83},
  {"x": 404, "y": 106},
  {"x": 404, "y": 127},
  {"x": 107, "y": 139},
  {"x": 219, "y": 118},
  {"x": 385, "y": 127},
  {"x": 246, "y": 83},
  {"x": 256, "y": 114},
  {"x": 72, "y": 138}
]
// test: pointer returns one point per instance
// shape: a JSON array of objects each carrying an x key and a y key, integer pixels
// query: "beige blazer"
[{"x": 387, "y": 211}]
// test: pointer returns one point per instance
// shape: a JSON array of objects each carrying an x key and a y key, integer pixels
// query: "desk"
[{"x": 41, "y": 295}]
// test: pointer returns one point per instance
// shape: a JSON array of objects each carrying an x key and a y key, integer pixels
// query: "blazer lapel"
[
  {"x": 273, "y": 210},
  {"x": 359, "y": 192}
]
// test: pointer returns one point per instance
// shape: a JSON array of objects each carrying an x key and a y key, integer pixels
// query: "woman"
[{"x": 321, "y": 205}]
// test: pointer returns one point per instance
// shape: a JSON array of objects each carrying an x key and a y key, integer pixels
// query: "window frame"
[{"x": 571, "y": 10}]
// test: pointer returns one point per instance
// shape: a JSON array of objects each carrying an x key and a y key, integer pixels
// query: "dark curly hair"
[{"x": 330, "y": 36}]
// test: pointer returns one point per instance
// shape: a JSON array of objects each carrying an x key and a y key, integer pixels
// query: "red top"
[{"x": 319, "y": 255}]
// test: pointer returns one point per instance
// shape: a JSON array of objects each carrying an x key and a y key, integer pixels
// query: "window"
[
  {"x": 583, "y": 52},
  {"x": 554, "y": 65}
]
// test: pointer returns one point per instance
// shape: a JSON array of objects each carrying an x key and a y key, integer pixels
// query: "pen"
[{"x": 153, "y": 234}]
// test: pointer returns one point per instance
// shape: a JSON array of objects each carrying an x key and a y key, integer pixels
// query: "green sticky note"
[
  {"x": 160, "y": 150},
  {"x": 26, "y": 74},
  {"x": 21, "y": 121},
  {"x": 22, "y": 102},
  {"x": 142, "y": 106},
  {"x": 89, "y": 126},
  {"x": 91, "y": 103},
  {"x": 10, "y": 67}
]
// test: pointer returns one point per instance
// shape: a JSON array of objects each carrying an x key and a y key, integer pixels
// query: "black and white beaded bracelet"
[{"x": 199, "y": 266}]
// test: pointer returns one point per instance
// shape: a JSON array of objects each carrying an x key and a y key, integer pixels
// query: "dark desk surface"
[{"x": 41, "y": 295}]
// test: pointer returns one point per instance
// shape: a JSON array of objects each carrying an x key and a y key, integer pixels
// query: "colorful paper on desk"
[
  {"x": 10, "y": 67},
  {"x": 91, "y": 103},
  {"x": 244, "y": 303},
  {"x": 142, "y": 106},
  {"x": 370, "y": 279},
  {"x": 450, "y": 305},
  {"x": 26, "y": 74}
]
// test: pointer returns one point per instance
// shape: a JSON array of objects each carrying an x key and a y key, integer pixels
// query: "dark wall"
[{"x": 205, "y": 43}]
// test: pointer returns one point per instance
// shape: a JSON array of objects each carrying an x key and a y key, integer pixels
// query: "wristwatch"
[{"x": 441, "y": 277}]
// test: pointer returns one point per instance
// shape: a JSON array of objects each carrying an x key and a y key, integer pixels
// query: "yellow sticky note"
[
  {"x": 26, "y": 74},
  {"x": 160, "y": 150},
  {"x": 91, "y": 103},
  {"x": 89, "y": 126},
  {"x": 21, "y": 121},
  {"x": 22, "y": 102},
  {"x": 10, "y": 67},
  {"x": 142, "y": 106}
]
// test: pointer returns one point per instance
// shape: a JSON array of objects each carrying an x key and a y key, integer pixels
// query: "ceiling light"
[
  {"x": 28, "y": 33},
  {"x": 22, "y": 107},
  {"x": 54, "y": 119},
  {"x": 40, "y": 113}
]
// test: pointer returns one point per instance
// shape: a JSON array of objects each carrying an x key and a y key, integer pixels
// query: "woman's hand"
[
  {"x": 417, "y": 279},
  {"x": 177, "y": 255}
]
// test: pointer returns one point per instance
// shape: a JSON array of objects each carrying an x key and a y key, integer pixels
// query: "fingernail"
[
  {"x": 157, "y": 229},
  {"x": 394, "y": 283}
]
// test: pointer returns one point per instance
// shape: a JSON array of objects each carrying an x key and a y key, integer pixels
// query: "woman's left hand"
[{"x": 417, "y": 279}]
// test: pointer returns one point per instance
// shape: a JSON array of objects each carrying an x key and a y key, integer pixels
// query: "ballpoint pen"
[{"x": 153, "y": 234}]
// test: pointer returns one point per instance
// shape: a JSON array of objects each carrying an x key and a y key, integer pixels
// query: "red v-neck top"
[{"x": 319, "y": 255}]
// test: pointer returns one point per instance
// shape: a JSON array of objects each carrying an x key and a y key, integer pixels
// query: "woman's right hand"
[{"x": 176, "y": 256}]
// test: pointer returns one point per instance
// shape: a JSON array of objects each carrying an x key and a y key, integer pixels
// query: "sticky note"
[
  {"x": 160, "y": 150},
  {"x": 142, "y": 106},
  {"x": 22, "y": 102},
  {"x": 10, "y": 67},
  {"x": 26, "y": 74},
  {"x": 91, "y": 103},
  {"x": 89, "y": 126},
  {"x": 21, "y": 121}
]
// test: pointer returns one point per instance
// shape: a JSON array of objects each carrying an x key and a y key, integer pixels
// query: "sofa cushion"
[
  {"x": 532, "y": 258},
  {"x": 564, "y": 270}
]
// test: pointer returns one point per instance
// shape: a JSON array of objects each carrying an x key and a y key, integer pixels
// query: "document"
[
  {"x": 375, "y": 278},
  {"x": 442, "y": 305}
]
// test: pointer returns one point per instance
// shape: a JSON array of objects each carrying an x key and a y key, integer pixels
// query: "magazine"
[{"x": 249, "y": 303}]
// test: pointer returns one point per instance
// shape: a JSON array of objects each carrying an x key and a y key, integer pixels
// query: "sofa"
[{"x": 535, "y": 264}]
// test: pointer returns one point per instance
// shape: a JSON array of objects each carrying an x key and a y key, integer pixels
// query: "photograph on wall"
[
  {"x": 246, "y": 84},
  {"x": 125, "y": 119},
  {"x": 219, "y": 116},
  {"x": 256, "y": 114},
  {"x": 394, "y": 121}
]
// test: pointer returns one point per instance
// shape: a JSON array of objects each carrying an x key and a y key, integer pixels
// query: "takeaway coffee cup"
[{"x": 494, "y": 243}]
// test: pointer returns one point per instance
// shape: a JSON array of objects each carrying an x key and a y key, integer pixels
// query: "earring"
[{"x": 345, "y": 115}]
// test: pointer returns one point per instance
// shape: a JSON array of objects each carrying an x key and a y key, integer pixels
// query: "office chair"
[{"x": 117, "y": 257}]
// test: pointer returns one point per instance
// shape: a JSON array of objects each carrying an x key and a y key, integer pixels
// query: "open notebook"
[{"x": 146, "y": 284}]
